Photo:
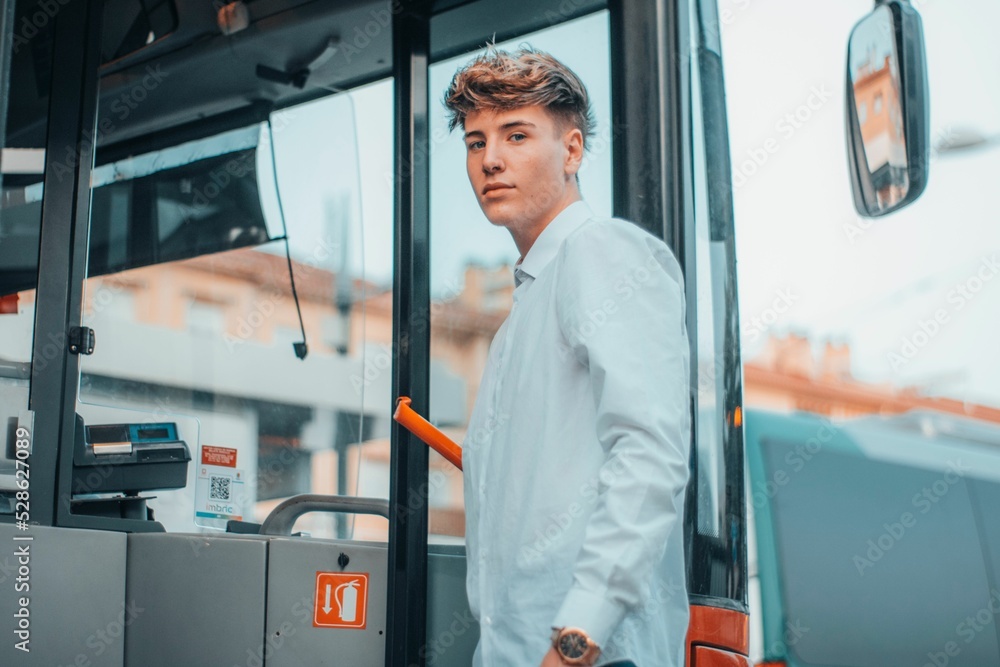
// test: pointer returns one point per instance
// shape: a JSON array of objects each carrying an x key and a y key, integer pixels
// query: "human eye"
[
  {"x": 518, "y": 137},
  {"x": 475, "y": 145}
]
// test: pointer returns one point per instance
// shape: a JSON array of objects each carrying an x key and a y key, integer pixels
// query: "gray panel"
[
  {"x": 203, "y": 600},
  {"x": 77, "y": 606},
  {"x": 452, "y": 632},
  {"x": 292, "y": 640}
]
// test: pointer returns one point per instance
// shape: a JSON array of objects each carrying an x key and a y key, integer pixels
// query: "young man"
[{"x": 576, "y": 457}]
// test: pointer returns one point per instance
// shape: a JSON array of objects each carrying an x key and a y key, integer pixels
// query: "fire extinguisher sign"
[{"x": 341, "y": 600}]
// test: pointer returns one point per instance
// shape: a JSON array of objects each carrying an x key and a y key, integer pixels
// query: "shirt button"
[
  {"x": 487, "y": 620},
  {"x": 482, "y": 488}
]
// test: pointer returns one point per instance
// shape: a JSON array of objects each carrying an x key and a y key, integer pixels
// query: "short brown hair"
[{"x": 500, "y": 80}]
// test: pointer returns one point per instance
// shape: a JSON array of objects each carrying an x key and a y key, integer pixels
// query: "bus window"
[
  {"x": 856, "y": 538},
  {"x": 209, "y": 339},
  {"x": 472, "y": 261},
  {"x": 24, "y": 103},
  {"x": 709, "y": 305},
  {"x": 716, "y": 565}
]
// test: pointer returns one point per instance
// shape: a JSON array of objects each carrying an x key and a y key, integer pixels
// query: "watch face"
[{"x": 573, "y": 645}]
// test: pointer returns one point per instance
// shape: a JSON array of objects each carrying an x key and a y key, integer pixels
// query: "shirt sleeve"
[{"x": 620, "y": 307}]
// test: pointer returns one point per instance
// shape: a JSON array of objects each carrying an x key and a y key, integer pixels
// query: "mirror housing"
[{"x": 888, "y": 128}]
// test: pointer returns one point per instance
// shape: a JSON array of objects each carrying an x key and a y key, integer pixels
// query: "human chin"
[{"x": 498, "y": 214}]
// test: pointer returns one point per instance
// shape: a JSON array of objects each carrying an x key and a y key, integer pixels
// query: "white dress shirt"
[{"x": 576, "y": 457}]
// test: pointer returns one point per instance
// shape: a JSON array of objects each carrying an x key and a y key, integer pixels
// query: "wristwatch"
[{"x": 574, "y": 646}]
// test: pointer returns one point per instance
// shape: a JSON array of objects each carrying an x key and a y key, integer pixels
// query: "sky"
[
  {"x": 874, "y": 284},
  {"x": 888, "y": 287}
]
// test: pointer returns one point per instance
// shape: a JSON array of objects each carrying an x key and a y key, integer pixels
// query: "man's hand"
[{"x": 552, "y": 659}]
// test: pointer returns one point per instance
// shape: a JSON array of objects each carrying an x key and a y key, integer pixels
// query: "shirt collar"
[{"x": 545, "y": 247}]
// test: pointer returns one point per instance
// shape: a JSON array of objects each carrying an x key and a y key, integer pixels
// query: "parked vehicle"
[{"x": 871, "y": 542}]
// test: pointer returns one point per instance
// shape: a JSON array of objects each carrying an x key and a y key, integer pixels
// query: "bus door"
[{"x": 231, "y": 212}]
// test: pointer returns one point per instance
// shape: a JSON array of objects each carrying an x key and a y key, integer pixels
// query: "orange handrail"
[{"x": 427, "y": 432}]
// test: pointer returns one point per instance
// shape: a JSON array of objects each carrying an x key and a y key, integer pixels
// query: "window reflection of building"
[
  {"x": 205, "y": 315},
  {"x": 175, "y": 336},
  {"x": 882, "y": 129},
  {"x": 211, "y": 338},
  {"x": 303, "y": 445}
]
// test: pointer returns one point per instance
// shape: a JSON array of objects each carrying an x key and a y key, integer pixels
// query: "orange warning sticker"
[
  {"x": 341, "y": 600},
  {"x": 218, "y": 456}
]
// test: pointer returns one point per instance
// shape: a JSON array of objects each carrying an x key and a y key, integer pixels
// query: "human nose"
[{"x": 492, "y": 160}]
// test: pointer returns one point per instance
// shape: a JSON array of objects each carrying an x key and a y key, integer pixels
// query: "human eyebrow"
[
  {"x": 506, "y": 126},
  {"x": 516, "y": 123}
]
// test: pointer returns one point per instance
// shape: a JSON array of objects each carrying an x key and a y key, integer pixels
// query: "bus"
[
  {"x": 231, "y": 236},
  {"x": 872, "y": 543}
]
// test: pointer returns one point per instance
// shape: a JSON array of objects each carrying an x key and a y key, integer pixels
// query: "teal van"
[{"x": 872, "y": 542}]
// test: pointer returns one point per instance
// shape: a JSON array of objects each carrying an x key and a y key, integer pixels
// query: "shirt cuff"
[{"x": 592, "y": 613}]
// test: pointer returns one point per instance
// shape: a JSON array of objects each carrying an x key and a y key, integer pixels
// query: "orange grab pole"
[{"x": 427, "y": 432}]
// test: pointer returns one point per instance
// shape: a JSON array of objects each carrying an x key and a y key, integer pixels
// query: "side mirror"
[{"x": 888, "y": 133}]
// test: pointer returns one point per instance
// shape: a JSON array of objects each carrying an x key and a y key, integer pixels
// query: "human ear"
[{"x": 573, "y": 143}]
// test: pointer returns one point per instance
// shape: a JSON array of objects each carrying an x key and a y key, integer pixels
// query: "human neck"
[{"x": 526, "y": 237}]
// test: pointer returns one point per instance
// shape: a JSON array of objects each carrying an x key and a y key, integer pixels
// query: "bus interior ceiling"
[{"x": 195, "y": 80}]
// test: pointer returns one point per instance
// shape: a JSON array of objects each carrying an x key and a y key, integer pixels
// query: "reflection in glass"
[
  {"x": 189, "y": 200},
  {"x": 202, "y": 335},
  {"x": 710, "y": 262},
  {"x": 24, "y": 104},
  {"x": 874, "y": 69}
]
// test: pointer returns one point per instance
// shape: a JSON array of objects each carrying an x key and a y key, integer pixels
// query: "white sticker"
[{"x": 219, "y": 494}]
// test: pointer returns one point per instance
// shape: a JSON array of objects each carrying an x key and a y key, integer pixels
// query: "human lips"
[{"x": 493, "y": 187}]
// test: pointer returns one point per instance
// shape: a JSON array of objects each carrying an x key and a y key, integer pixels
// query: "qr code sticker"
[{"x": 221, "y": 489}]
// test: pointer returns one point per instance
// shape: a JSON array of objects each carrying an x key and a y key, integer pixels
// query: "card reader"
[{"x": 128, "y": 458}]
